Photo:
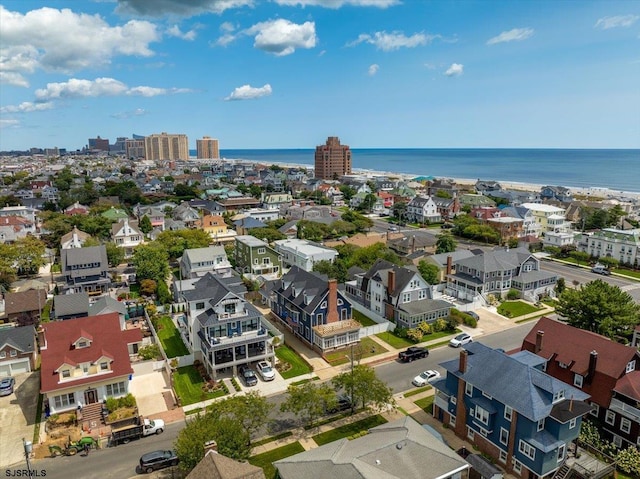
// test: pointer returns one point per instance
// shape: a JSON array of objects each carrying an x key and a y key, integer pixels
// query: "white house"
[
  {"x": 302, "y": 253},
  {"x": 423, "y": 210}
]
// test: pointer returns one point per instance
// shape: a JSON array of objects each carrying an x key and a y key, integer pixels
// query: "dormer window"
[
  {"x": 631, "y": 366},
  {"x": 104, "y": 366},
  {"x": 558, "y": 395},
  {"x": 81, "y": 344},
  {"x": 66, "y": 373}
]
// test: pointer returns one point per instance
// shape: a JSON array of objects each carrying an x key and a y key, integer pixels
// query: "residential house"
[
  {"x": 446, "y": 261},
  {"x": 489, "y": 187},
  {"x": 76, "y": 209},
  {"x": 234, "y": 205},
  {"x": 155, "y": 215},
  {"x": 255, "y": 257},
  {"x": 74, "y": 239},
  {"x": 197, "y": 262},
  {"x": 224, "y": 330},
  {"x": 275, "y": 201},
  {"x": 498, "y": 271},
  {"x": 186, "y": 213},
  {"x": 509, "y": 409},
  {"x": 84, "y": 361},
  {"x": 398, "y": 449},
  {"x": 216, "y": 227},
  {"x": 15, "y": 227},
  {"x": 422, "y": 210},
  {"x": 507, "y": 227},
  {"x": 442, "y": 187},
  {"x": 311, "y": 306},
  {"x": 397, "y": 293},
  {"x": 622, "y": 245},
  {"x": 85, "y": 270},
  {"x": 114, "y": 214},
  {"x": 606, "y": 370},
  {"x": 25, "y": 307},
  {"x": 126, "y": 234},
  {"x": 18, "y": 350},
  {"x": 217, "y": 466},
  {"x": 309, "y": 212},
  {"x": 260, "y": 214},
  {"x": 470, "y": 200},
  {"x": 244, "y": 224},
  {"x": 550, "y": 218},
  {"x": 558, "y": 193},
  {"x": 105, "y": 305},
  {"x": 448, "y": 208},
  {"x": 303, "y": 253},
  {"x": 70, "y": 306},
  {"x": 387, "y": 200},
  {"x": 411, "y": 244},
  {"x": 28, "y": 213},
  {"x": 530, "y": 227}
]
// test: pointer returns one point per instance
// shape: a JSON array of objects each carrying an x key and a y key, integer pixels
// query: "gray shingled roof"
[
  {"x": 21, "y": 338},
  {"x": 76, "y": 256},
  {"x": 499, "y": 260},
  {"x": 511, "y": 381},
  {"x": 298, "y": 284},
  {"x": 199, "y": 255},
  {"x": 399, "y": 449},
  {"x": 213, "y": 287},
  {"x": 107, "y": 304},
  {"x": 424, "y": 306},
  {"x": 67, "y": 304}
]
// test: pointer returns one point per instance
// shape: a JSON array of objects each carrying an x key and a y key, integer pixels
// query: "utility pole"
[{"x": 353, "y": 405}]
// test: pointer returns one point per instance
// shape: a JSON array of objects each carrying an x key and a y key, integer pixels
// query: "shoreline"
[{"x": 593, "y": 191}]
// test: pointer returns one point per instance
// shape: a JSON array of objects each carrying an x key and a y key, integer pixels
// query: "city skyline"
[{"x": 290, "y": 73}]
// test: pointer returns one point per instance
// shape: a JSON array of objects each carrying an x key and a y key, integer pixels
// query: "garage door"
[
  {"x": 21, "y": 367},
  {"x": 5, "y": 370}
]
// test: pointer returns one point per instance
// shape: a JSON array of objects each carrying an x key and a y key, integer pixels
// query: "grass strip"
[{"x": 266, "y": 459}]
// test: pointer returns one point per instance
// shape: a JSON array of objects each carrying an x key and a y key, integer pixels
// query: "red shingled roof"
[
  {"x": 107, "y": 340},
  {"x": 629, "y": 385}
]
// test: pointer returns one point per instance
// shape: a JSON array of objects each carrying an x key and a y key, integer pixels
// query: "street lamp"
[{"x": 28, "y": 448}]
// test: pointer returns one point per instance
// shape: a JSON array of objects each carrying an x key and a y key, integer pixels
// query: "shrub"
[
  {"x": 151, "y": 351},
  {"x": 470, "y": 321},
  {"x": 400, "y": 332},
  {"x": 440, "y": 324},
  {"x": 424, "y": 327},
  {"x": 513, "y": 294},
  {"x": 414, "y": 334}
]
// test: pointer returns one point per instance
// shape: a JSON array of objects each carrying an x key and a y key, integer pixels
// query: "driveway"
[
  {"x": 17, "y": 417},
  {"x": 149, "y": 388}
]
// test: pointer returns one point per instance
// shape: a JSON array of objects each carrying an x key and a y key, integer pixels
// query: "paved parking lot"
[{"x": 17, "y": 417}]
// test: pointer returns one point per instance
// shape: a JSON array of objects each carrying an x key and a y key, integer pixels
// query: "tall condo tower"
[
  {"x": 332, "y": 159},
  {"x": 165, "y": 146},
  {"x": 208, "y": 148}
]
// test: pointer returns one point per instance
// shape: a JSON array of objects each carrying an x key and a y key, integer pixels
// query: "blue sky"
[{"x": 289, "y": 73}]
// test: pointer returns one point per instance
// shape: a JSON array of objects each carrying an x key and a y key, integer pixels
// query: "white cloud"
[
  {"x": 247, "y": 92},
  {"x": 227, "y": 29},
  {"x": 175, "y": 31},
  {"x": 13, "y": 78},
  {"x": 454, "y": 70},
  {"x": 616, "y": 21},
  {"x": 77, "y": 88},
  {"x": 27, "y": 107},
  {"x": 282, "y": 37},
  {"x": 61, "y": 40},
  {"x": 515, "y": 35},
  {"x": 7, "y": 123},
  {"x": 339, "y": 3},
  {"x": 185, "y": 8},
  {"x": 393, "y": 41},
  {"x": 373, "y": 69},
  {"x": 130, "y": 114}
]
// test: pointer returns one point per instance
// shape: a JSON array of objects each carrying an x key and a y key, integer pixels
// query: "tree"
[
  {"x": 309, "y": 401},
  {"x": 360, "y": 221},
  {"x": 561, "y": 286},
  {"x": 335, "y": 270},
  {"x": 175, "y": 242},
  {"x": 145, "y": 225},
  {"x": 29, "y": 254},
  {"x": 429, "y": 272},
  {"x": 601, "y": 308},
  {"x": 608, "y": 261},
  {"x": 445, "y": 243},
  {"x": 115, "y": 254},
  {"x": 579, "y": 256},
  {"x": 365, "y": 388},
  {"x": 8, "y": 255},
  {"x": 185, "y": 192},
  {"x": 151, "y": 262},
  {"x": 148, "y": 287},
  {"x": 269, "y": 235},
  {"x": 251, "y": 411},
  {"x": 348, "y": 192}
]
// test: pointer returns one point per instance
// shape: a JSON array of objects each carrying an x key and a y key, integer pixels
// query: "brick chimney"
[
  {"x": 332, "y": 302},
  {"x": 413, "y": 244},
  {"x": 449, "y": 265},
  {"x": 391, "y": 282},
  {"x": 462, "y": 367},
  {"x": 539, "y": 338},
  {"x": 42, "y": 339},
  {"x": 210, "y": 446},
  {"x": 593, "y": 361}
]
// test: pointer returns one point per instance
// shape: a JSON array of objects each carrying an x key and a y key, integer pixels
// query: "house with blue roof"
[{"x": 510, "y": 409}]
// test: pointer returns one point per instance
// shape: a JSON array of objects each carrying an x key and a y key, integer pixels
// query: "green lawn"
[
  {"x": 188, "y": 385},
  {"x": 269, "y": 439},
  {"x": 170, "y": 338},
  {"x": 394, "y": 341},
  {"x": 627, "y": 272},
  {"x": 363, "y": 319},
  {"x": 367, "y": 347},
  {"x": 266, "y": 459},
  {"x": 348, "y": 430},
  {"x": 417, "y": 391},
  {"x": 513, "y": 309},
  {"x": 426, "y": 404},
  {"x": 299, "y": 365}
]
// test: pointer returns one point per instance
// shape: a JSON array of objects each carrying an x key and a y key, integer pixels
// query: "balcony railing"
[
  {"x": 235, "y": 338},
  {"x": 625, "y": 409},
  {"x": 337, "y": 327}
]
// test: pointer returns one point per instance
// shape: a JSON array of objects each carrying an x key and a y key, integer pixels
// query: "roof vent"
[{"x": 377, "y": 462}]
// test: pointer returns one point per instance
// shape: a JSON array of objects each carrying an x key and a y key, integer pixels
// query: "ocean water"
[{"x": 618, "y": 170}]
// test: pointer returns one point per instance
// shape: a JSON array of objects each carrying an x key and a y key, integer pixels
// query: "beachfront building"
[
  {"x": 165, "y": 146},
  {"x": 207, "y": 148},
  {"x": 550, "y": 218},
  {"x": 332, "y": 160},
  {"x": 623, "y": 245},
  {"x": 302, "y": 253}
]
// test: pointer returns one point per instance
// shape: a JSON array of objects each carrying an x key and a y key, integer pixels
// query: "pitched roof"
[
  {"x": 31, "y": 300},
  {"x": 217, "y": 466},
  {"x": 68, "y": 304},
  {"x": 300, "y": 286},
  {"x": 629, "y": 385},
  {"x": 511, "y": 381},
  {"x": 106, "y": 304},
  {"x": 496, "y": 260},
  {"x": 401, "y": 448},
  {"x": 81, "y": 256},
  {"x": 107, "y": 340},
  {"x": 613, "y": 357},
  {"x": 21, "y": 338}
]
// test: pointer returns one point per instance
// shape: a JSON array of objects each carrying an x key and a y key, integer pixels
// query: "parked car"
[
  {"x": 6, "y": 386},
  {"x": 152, "y": 461},
  {"x": 447, "y": 226},
  {"x": 460, "y": 340},
  {"x": 393, "y": 228},
  {"x": 425, "y": 378},
  {"x": 474, "y": 315},
  {"x": 601, "y": 269},
  {"x": 413, "y": 352},
  {"x": 266, "y": 371},
  {"x": 248, "y": 376},
  {"x": 343, "y": 403}
]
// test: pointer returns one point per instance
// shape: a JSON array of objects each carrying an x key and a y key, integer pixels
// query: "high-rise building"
[
  {"x": 101, "y": 144},
  {"x": 164, "y": 146},
  {"x": 208, "y": 148},
  {"x": 332, "y": 160},
  {"x": 134, "y": 148}
]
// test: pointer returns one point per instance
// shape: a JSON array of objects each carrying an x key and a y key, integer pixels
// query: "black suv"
[
  {"x": 158, "y": 460},
  {"x": 343, "y": 403},
  {"x": 248, "y": 376}
]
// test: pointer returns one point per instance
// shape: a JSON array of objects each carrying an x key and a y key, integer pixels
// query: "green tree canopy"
[
  {"x": 151, "y": 261},
  {"x": 29, "y": 254},
  {"x": 365, "y": 388},
  {"x": 600, "y": 307},
  {"x": 445, "y": 243},
  {"x": 115, "y": 254},
  {"x": 145, "y": 225},
  {"x": 429, "y": 272},
  {"x": 175, "y": 242},
  {"x": 251, "y": 411},
  {"x": 268, "y": 234},
  {"x": 309, "y": 401}
]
